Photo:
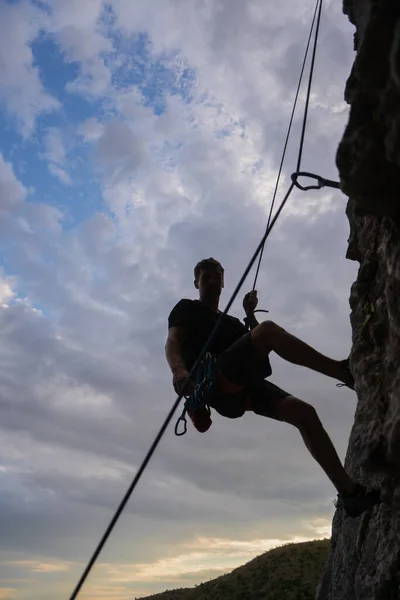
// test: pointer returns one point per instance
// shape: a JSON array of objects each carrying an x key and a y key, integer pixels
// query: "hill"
[{"x": 290, "y": 572}]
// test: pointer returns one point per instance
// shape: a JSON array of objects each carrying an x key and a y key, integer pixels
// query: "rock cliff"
[{"x": 364, "y": 562}]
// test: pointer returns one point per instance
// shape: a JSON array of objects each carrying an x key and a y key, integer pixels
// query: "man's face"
[{"x": 210, "y": 281}]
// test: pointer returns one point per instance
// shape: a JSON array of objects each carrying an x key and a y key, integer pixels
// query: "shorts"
[{"x": 240, "y": 364}]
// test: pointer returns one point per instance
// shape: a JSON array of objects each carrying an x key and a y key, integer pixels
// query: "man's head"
[{"x": 209, "y": 277}]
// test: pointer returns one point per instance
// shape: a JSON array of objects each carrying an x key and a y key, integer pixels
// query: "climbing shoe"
[
  {"x": 349, "y": 379},
  {"x": 200, "y": 418},
  {"x": 359, "y": 501}
]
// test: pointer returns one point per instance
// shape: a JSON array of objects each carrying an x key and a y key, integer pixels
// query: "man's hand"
[
  {"x": 179, "y": 379},
  {"x": 250, "y": 302}
]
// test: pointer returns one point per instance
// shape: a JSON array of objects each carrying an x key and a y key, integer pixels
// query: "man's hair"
[{"x": 207, "y": 263}]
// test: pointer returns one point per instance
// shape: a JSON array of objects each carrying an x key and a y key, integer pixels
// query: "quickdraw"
[{"x": 321, "y": 181}]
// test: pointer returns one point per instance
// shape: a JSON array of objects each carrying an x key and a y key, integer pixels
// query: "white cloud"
[
  {"x": 55, "y": 153},
  {"x": 19, "y": 219},
  {"x": 37, "y": 567},
  {"x": 90, "y": 130},
  {"x": 78, "y": 29},
  {"x": 202, "y": 556},
  {"x": 54, "y": 146},
  {"x": 121, "y": 150},
  {"x": 82, "y": 37},
  {"x": 7, "y": 593},
  {"x": 6, "y": 289},
  {"x": 12, "y": 192},
  {"x": 60, "y": 173},
  {"x": 21, "y": 88}
]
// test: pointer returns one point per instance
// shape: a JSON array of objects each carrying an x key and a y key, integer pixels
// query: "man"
[{"x": 242, "y": 359}]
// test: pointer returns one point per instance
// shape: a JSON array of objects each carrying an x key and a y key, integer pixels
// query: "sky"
[{"x": 137, "y": 138}]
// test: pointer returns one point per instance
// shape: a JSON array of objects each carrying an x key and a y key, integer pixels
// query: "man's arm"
[
  {"x": 174, "y": 356},
  {"x": 173, "y": 348}
]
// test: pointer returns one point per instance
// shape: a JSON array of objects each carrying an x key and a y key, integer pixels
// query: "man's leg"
[
  {"x": 305, "y": 418},
  {"x": 269, "y": 336},
  {"x": 298, "y": 413},
  {"x": 354, "y": 498}
]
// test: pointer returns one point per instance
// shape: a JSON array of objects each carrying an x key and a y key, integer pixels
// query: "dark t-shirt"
[{"x": 200, "y": 321}]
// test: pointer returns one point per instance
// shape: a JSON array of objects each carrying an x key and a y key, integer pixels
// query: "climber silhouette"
[{"x": 242, "y": 359}]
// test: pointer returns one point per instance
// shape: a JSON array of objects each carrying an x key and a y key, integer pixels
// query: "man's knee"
[
  {"x": 298, "y": 413},
  {"x": 268, "y": 328},
  {"x": 264, "y": 334}
]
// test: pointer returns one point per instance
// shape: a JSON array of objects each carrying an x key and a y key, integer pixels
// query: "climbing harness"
[
  {"x": 204, "y": 386},
  {"x": 258, "y": 253}
]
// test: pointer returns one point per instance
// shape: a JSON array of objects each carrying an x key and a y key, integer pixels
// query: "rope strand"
[
  {"x": 287, "y": 138},
  {"x": 318, "y": 5}
]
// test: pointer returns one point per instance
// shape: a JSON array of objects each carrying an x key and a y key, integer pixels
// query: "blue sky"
[{"x": 137, "y": 138}]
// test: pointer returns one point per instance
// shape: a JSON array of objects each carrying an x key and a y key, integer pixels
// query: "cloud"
[
  {"x": 90, "y": 130},
  {"x": 37, "y": 567},
  {"x": 54, "y": 146},
  {"x": 8, "y": 593},
  {"x": 198, "y": 560},
  {"x": 119, "y": 149},
  {"x": 55, "y": 153},
  {"x": 19, "y": 219},
  {"x": 12, "y": 192},
  {"x": 82, "y": 40},
  {"x": 60, "y": 174},
  {"x": 81, "y": 33},
  {"x": 21, "y": 88},
  {"x": 6, "y": 289}
]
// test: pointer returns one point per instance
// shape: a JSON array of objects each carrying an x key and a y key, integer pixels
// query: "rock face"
[{"x": 364, "y": 562}]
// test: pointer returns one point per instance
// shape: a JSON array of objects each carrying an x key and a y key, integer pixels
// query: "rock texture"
[{"x": 364, "y": 562}]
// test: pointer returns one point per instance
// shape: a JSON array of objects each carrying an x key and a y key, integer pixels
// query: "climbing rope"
[
  {"x": 318, "y": 5},
  {"x": 258, "y": 251}
]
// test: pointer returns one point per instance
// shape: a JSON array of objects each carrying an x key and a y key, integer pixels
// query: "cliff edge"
[{"x": 364, "y": 561}]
